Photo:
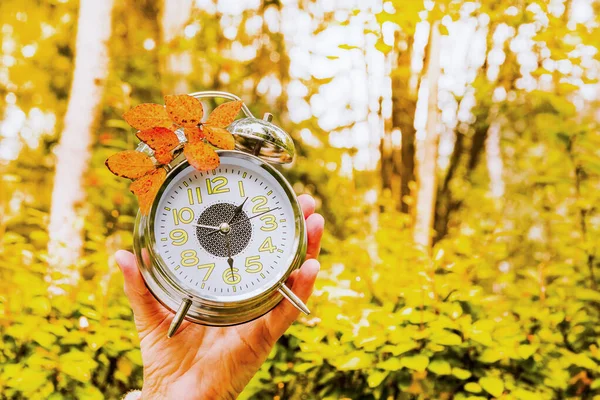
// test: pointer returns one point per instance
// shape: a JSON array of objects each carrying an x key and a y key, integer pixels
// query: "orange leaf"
[
  {"x": 162, "y": 141},
  {"x": 184, "y": 110},
  {"x": 201, "y": 156},
  {"x": 219, "y": 137},
  {"x": 194, "y": 134},
  {"x": 224, "y": 115},
  {"x": 129, "y": 164},
  {"x": 147, "y": 115},
  {"x": 146, "y": 188}
]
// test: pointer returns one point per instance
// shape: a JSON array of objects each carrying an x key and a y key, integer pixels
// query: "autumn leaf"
[
  {"x": 201, "y": 156},
  {"x": 184, "y": 110},
  {"x": 146, "y": 188},
  {"x": 225, "y": 114},
  {"x": 162, "y": 141},
  {"x": 130, "y": 164},
  {"x": 147, "y": 115},
  {"x": 194, "y": 134},
  {"x": 219, "y": 137}
]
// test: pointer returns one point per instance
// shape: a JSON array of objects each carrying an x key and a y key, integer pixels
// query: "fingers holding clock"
[
  {"x": 307, "y": 203},
  {"x": 142, "y": 302}
]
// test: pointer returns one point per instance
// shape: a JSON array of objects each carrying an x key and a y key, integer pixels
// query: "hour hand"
[
  {"x": 206, "y": 226},
  {"x": 238, "y": 210}
]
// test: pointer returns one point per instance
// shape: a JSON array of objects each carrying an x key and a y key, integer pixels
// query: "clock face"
[{"x": 214, "y": 252}]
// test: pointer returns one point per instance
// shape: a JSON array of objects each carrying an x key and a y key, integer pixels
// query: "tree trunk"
[
  {"x": 427, "y": 165},
  {"x": 72, "y": 153},
  {"x": 177, "y": 64}
]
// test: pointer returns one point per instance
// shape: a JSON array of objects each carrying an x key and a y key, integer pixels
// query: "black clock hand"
[
  {"x": 247, "y": 219},
  {"x": 229, "y": 258},
  {"x": 237, "y": 211}
]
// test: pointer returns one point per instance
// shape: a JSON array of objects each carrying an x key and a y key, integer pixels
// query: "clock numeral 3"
[
  {"x": 231, "y": 278},
  {"x": 270, "y": 223},
  {"x": 189, "y": 258},
  {"x": 184, "y": 215},
  {"x": 267, "y": 245},
  {"x": 179, "y": 237},
  {"x": 210, "y": 268},
  {"x": 260, "y": 203},
  {"x": 217, "y": 185},
  {"x": 253, "y": 265}
]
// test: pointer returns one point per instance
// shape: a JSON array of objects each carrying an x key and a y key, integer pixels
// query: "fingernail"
[{"x": 121, "y": 257}]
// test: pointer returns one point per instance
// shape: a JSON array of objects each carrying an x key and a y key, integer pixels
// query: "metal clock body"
[{"x": 217, "y": 247}]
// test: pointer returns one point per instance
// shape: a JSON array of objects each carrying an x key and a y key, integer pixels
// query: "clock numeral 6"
[
  {"x": 267, "y": 245},
  {"x": 179, "y": 237},
  {"x": 184, "y": 215},
  {"x": 253, "y": 266},
  {"x": 217, "y": 185},
  {"x": 231, "y": 278},
  {"x": 189, "y": 258},
  {"x": 270, "y": 223},
  {"x": 260, "y": 203}
]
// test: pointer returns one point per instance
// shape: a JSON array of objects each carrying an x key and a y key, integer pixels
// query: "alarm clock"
[{"x": 217, "y": 246}]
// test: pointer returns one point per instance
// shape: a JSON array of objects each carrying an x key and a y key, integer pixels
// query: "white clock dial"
[{"x": 194, "y": 206}]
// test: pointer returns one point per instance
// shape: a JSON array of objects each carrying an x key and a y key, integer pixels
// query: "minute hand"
[
  {"x": 244, "y": 220},
  {"x": 254, "y": 216}
]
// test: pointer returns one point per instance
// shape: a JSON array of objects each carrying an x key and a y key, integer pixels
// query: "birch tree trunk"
[
  {"x": 177, "y": 65},
  {"x": 426, "y": 170},
  {"x": 72, "y": 153}
]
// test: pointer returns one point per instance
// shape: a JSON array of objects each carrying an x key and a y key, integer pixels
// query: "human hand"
[{"x": 205, "y": 362}]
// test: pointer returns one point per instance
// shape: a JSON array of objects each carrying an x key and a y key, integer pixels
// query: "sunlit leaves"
[
  {"x": 147, "y": 115},
  {"x": 223, "y": 115},
  {"x": 184, "y": 110},
  {"x": 130, "y": 164},
  {"x": 201, "y": 156},
  {"x": 146, "y": 188},
  {"x": 161, "y": 140},
  {"x": 157, "y": 125},
  {"x": 219, "y": 137}
]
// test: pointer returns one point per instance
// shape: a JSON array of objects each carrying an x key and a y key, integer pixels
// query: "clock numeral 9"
[
  {"x": 231, "y": 278},
  {"x": 189, "y": 258},
  {"x": 267, "y": 245},
  {"x": 184, "y": 215},
  {"x": 217, "y": 185},
  {"x": 179, "y": 237},
  {"x": 270, "y": 224},
  {"x": 253, "y": 266},
  {"x": 259, "y": 204}
]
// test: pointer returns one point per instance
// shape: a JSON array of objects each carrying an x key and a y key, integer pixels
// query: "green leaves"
[{"x": 492, "y": 385}]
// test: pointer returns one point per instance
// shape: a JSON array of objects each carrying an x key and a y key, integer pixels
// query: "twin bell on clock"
[{"x": 219, "y": 229}]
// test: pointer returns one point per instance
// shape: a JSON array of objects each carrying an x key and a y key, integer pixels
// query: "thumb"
[{"x": 144, "y": 305}]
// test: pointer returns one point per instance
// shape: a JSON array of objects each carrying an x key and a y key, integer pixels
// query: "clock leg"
[
  {"x": 292, "y": 298},
  {"x": 179, "y": 316}
]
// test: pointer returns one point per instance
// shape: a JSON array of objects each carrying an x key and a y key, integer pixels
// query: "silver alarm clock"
[{"x": 217, "y": 247}]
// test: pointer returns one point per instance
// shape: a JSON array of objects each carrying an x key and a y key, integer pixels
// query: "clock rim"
[{"x": 209, "y": 310}]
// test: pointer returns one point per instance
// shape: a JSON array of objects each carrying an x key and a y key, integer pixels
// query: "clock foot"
[
  {"x": 178, "y": 318},
  {"x": 292, "y": 298}
]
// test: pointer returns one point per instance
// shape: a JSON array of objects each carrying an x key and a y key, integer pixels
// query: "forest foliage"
[{"x": 504, "y": 301}]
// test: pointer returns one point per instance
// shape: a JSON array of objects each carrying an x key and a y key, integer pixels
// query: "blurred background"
[{"x": 452, "y": 146}]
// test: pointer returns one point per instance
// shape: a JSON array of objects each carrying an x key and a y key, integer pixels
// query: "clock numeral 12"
[
  {"x": 217, "y": 185},
  {"x": 253, "y": 265},
  {"x": 267, "y": 245},
  {"x": 190, "y": 194},
  {"x": 185, "y": 215},
  {"x": 231, "y": 278}
]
